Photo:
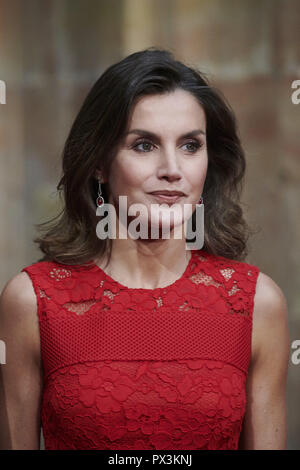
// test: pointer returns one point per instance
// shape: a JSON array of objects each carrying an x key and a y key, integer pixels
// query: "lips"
[
  {"x": 168, "y": 193},
  {"x": 167, "y": 196}
]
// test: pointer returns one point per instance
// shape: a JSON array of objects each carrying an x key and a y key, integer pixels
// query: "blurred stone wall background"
[{"x": 52, "y": 51}]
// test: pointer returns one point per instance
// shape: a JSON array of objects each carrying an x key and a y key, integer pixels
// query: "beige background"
[{"x": 52, "y": 51}]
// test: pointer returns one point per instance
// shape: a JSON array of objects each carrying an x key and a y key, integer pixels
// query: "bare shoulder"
[
  {"x": 18, "y": 312},
  {"x": 265, "y": 418},
  {"x": 270, "y": 313},
  {"x": 18, "y": 297},
  {"x": 269, "y": 294}
]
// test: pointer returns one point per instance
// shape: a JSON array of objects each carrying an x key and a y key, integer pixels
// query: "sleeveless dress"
[{"x": 134, "y": 368}]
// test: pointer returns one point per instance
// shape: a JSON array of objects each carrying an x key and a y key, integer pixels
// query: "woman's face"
[{"x": 164, "y": 149}]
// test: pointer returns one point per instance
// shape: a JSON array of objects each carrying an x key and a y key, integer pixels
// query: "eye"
[
  {"x": 195, "y": 145},
  {"x": 144, "y": 143}
]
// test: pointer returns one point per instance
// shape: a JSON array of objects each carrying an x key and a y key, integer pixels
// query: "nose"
[{"x": 168, "y": 166}]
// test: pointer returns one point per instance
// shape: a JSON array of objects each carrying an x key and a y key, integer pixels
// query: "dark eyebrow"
[{"x": 151, "y": 135}]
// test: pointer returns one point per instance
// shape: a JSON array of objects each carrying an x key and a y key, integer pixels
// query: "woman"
[{"x": 140, "y": 342}]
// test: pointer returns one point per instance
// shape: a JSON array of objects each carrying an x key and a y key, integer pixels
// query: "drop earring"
[
  {"x": 199, "y": 226},
  {"x": 99, "y": 200},
  {"x": 200, "y": 202}
]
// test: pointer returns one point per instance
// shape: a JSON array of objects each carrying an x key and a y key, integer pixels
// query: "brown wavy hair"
[{"x": 93, "y": 141}]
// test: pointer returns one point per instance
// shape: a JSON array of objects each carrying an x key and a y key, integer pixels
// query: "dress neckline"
[{"x": 186, "y": 272}]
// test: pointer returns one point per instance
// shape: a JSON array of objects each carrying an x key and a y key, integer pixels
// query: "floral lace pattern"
[{"x": 145, "y": 369}]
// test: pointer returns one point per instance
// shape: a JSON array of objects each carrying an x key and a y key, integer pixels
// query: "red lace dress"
[{"x": 128, "y": 368}]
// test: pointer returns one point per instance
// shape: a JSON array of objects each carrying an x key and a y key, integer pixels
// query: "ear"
[{"x": 99, "y": 175}]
